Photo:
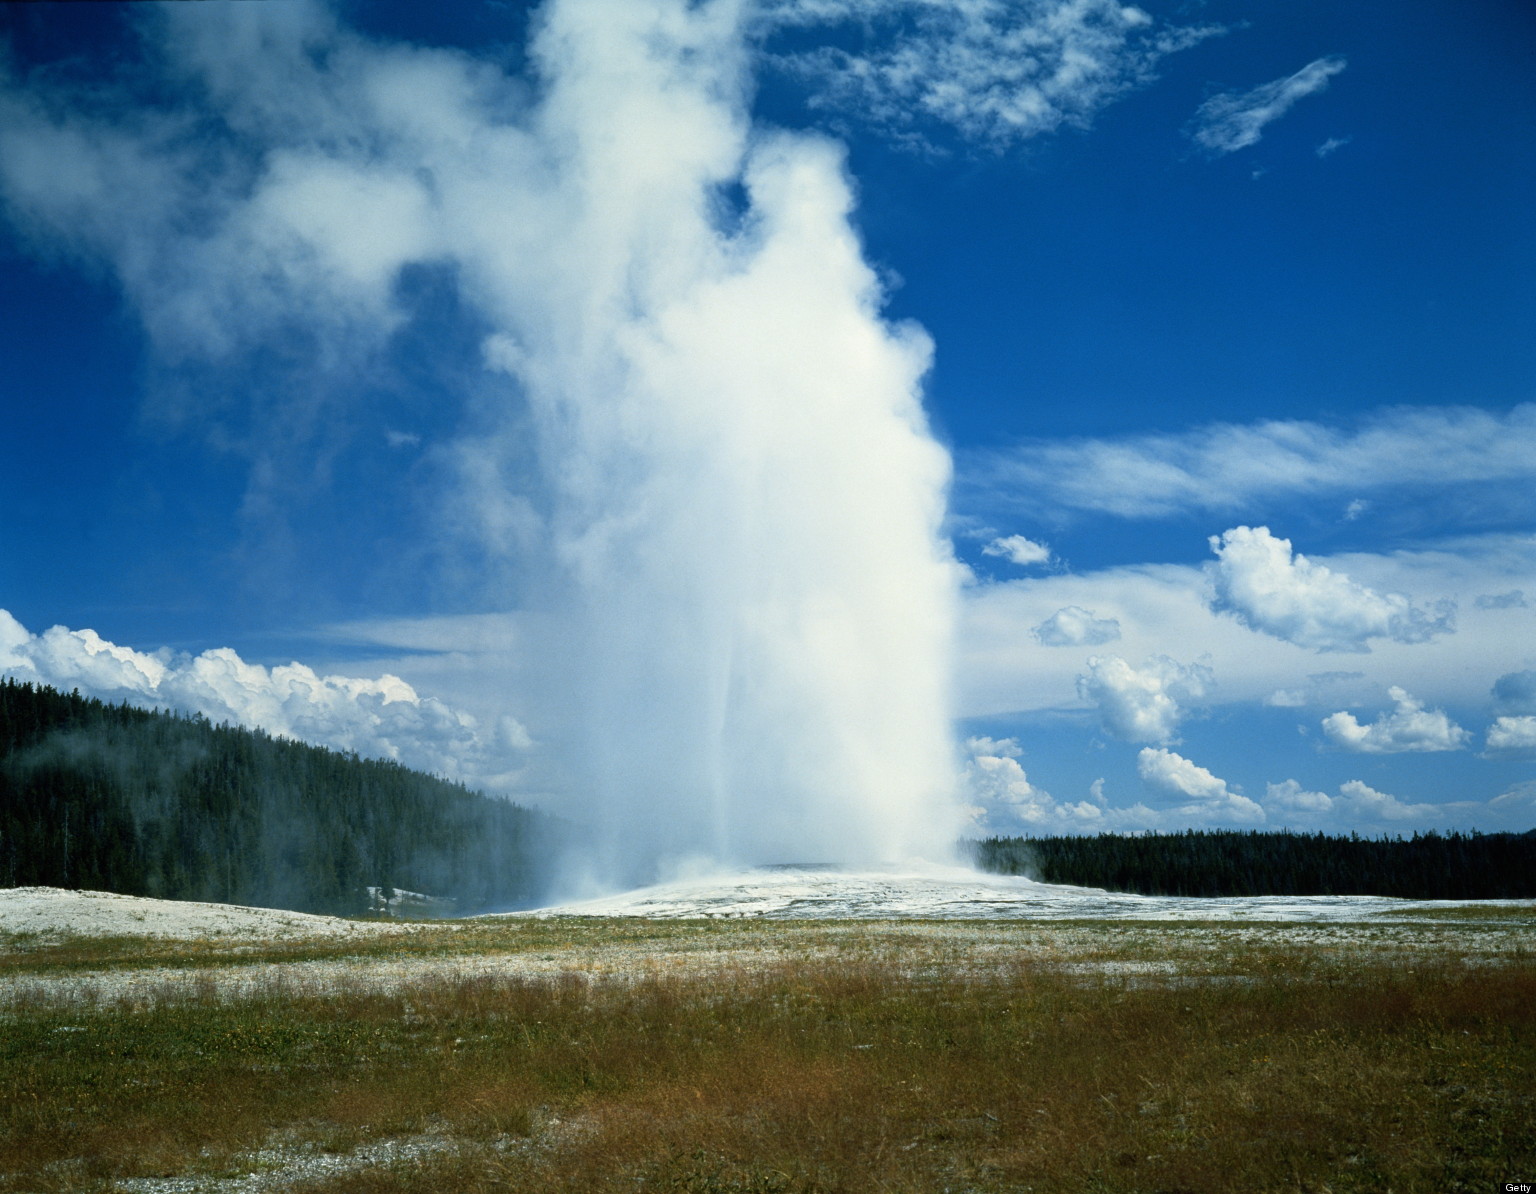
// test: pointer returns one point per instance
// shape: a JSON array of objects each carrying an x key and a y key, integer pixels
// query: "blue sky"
[{"x": 1231, "y": 312}]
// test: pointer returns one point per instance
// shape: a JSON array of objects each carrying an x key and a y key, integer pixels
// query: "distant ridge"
[{"x": 121, "y": 799}]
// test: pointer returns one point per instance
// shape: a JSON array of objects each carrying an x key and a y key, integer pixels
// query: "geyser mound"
[{"x": 951, "y": 893}]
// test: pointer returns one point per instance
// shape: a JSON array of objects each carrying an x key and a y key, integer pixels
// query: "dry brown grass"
[{"x": 1262, "y": 1069}]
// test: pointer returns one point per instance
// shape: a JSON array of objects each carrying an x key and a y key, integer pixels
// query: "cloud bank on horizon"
[
  {"x": 381, "y": 717},
  {"x": 626, "y": 323}
]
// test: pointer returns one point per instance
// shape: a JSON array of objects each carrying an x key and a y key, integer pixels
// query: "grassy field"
[{"x": 779, "y": 1056}]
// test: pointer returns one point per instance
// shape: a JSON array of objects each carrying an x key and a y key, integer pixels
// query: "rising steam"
[
  {"x": 748, "y": 498},
  {"x": 740, "y": 500}
]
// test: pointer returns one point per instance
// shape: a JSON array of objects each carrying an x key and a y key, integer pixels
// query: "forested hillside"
[
  {"x": 121, "y": 799},
  {"x": 1428, "y": 866}
]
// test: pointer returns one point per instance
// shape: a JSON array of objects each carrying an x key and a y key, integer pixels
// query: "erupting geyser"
[{"x": 747, "y": 498}]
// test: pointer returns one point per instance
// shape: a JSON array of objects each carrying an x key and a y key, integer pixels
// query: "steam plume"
[{"x": 748, "y": 499}]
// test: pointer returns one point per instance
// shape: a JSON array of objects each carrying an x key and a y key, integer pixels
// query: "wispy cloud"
[
  {"x": 1314, "y": 692},
  {"x": 996, "y": 73},
  {"x": 1231, "y": 466},
  {"x": 1514, "y": 599},
  {"x": 1234, "y": 120}
]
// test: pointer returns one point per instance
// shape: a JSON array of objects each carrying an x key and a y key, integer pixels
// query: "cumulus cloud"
[
  {"x": 1290, "y": 796},
  {"x": 380, "y": 718},
  {"x": 1360, "y": 801},
  {"x": 996, "y": 73},
  {"x": 1076, "y": 627},
  {"x": 1409, "y": 727},
  {"x": 1515, "y": 692},
  {"x": 1258, "y": 581},
  {"x": 1235, "y": 120},
  {"x": 1512, "y": 736},
  {"x": 1003, "y": 798},
  {"x": 1004, "y": 669},
  {"x": 1016, "y": 549},
  {"x": 1224, "y": 466},
  {"x": 1174, "y": 775},
  {"x": 1144, "y": 704},
  {"x": 1356, "y": 804}
]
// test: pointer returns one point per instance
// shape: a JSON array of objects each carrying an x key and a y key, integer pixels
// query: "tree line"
[
  {"x": 117, "y": 798},
  {"x": 1426, "y": 866}
]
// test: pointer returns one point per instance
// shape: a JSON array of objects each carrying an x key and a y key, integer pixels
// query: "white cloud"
[
  {"x": 1512, "y": 736},
  {"x": 1004, "y": 800},
  {"x": 1358, "y": 805},
  {"x": 380, "y": 718},
  {"x": 1518, "y": 803},
  {"x": 1290, "y": 796},
  {"x": 1332, "y": 146},
  {"x": 1018, "y": 550},
  {"x": 1360, "y": 801},
  {"x": 995, "y": 72},
  {"x": 1515, "y": 692},
  {"x": 1076, "y": 627},
  {"x": 1003, "y": 669},
  {"x": 1408, "y": 727},
  {"x": 1258, "y": 581},
  {"x": 1174, "y": 775},
  {"x": 1143, "y": 704},
  {"x": 1235, "y": 120},
  {"x": 1223, "y": 466}
]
